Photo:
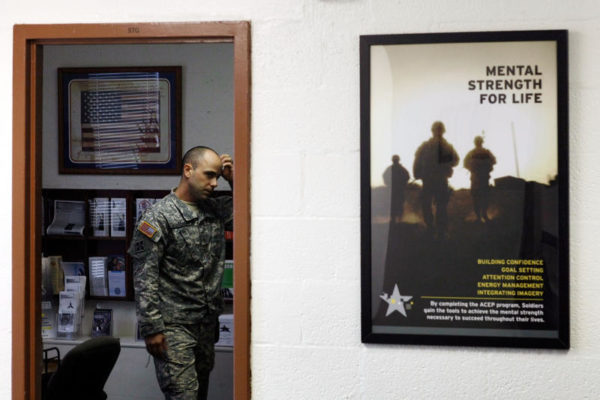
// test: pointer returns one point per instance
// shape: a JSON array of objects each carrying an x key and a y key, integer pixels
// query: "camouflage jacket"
[{"x": 178, "y": 260}]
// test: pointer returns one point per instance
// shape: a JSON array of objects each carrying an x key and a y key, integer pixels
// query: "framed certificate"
[{"x": 464, "y": 189}]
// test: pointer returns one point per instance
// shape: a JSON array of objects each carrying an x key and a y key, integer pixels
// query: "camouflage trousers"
[{"x": 184, "y": 373}]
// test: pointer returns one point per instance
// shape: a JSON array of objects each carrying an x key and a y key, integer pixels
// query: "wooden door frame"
[{"x": 26, "y": 178}]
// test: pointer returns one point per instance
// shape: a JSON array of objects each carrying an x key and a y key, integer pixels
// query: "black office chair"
[{"x": 84, "y": 370}]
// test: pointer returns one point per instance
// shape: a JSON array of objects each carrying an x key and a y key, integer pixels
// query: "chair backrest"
[{"x": 84, "y": 370}]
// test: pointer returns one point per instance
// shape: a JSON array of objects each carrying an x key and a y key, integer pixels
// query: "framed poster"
[
  {"x": 464, "y": 189},
  {"x": 123, "y": 120}
]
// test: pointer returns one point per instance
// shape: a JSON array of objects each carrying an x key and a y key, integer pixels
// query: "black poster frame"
[{"x": 554, "y": 331}]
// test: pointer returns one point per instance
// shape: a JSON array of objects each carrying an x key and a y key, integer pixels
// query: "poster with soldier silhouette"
[{"x": 464, "y": 191}]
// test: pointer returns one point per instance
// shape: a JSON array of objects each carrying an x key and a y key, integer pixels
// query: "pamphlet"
[
  {"x": 116, "y": 275},
  {"x": 118, "y": 211},
  {"x": 68, "y": 313},
  {"x": 227, "y": 293},
  {"x": 77, "y": 284},
  {"x": 55, "y": 273},
  {"x": 142, "y": 205},
  {"x": 100, "y": 216},
  {"x": 73, "y": 268},
  {"x": 102, "y": 322},
  {"x": 227, "y": 283},
  {"x": 48, "y": 320},
  {"x": 116, "y": 283},
  {"x": 69, "y": 218},
  {"x": 115, "y": 263},
  {"x": 98, "y": 276},
  {"x": 47, "y": 287},
  {"x": 225, "y": 330},
  {"x": 228, "y": 275}
]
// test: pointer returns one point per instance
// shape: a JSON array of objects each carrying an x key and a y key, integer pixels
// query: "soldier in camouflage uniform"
[{"x": 178, "y": 252}]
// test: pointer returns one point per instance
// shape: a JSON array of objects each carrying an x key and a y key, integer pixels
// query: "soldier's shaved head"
[{"x": 194, "y": 154}]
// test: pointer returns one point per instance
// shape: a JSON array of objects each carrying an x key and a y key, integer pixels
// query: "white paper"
[
  {"x": 98, "y": 282},
  {"x": 66, "y": 323},
  {"x": 100, "y": 216},
  {"x": 75, "y": 268},
  {"x": 225, "y": 330},
  {"x": 118, "y": 211},
  {"x": 69, "y": 218},
  {"x": 116, "y": 283},
  {"x": 48, "y": 320},
  {"x": 68, "y": 311},
  {"x": 77, "y": 284}
]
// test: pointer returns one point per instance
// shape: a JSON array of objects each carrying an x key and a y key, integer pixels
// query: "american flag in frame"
[{"x": 120, "y": 120}]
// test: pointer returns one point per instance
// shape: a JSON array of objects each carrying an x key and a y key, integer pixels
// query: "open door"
[{"x": 27, "y": 156}]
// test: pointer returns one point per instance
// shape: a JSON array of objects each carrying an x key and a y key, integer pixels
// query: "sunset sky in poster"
[{"x": 414, "y": 85}]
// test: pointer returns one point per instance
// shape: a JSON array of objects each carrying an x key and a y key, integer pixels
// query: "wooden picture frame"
[
  {"x": 467, "y": 242},
  {"x": 119, "y": 120}
]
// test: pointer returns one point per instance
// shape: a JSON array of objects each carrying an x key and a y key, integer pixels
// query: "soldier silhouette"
[
  {"x": 434, "y": 163},
  {"x": 480, "y": 162},
  {"x": 396, "y": 177}
]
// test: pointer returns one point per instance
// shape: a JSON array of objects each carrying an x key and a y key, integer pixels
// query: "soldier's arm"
[
  {"x": 147, "y": 250},
  {"x": 227, "y": 168},
  {"x": 226, "y": 202},
  {"x": 225, "y": 210}
]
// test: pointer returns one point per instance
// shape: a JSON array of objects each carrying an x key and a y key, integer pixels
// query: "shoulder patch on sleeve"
[{"x": 147, "y": 229}]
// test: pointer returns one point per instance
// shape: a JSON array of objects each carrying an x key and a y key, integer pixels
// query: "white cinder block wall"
[{"x": 306, "y": 204}]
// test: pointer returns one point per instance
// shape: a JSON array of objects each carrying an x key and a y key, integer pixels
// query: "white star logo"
[{"x": 396, "y": 302}]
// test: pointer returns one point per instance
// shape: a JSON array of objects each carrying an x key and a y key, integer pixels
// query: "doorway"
[{"x": 27, "y": 176}]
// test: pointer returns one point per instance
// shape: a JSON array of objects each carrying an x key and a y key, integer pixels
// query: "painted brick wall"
[{"x": 306, "y": 205}]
